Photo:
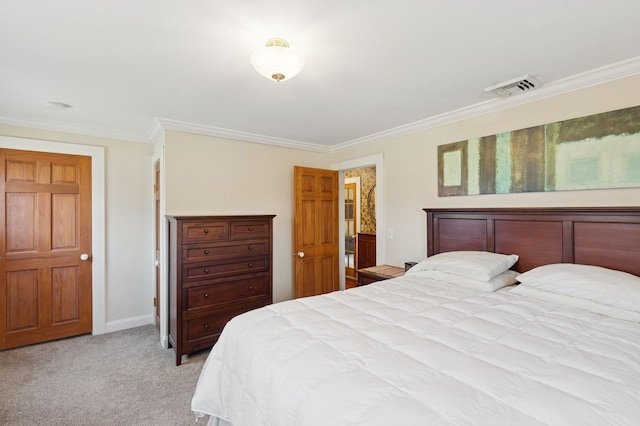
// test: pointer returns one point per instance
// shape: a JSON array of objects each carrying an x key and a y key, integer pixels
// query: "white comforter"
[{"x": 410, "y": 352}]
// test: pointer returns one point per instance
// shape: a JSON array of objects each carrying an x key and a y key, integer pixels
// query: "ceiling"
[{"x": 373, "y": 67}]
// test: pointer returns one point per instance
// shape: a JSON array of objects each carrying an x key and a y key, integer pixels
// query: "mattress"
[{"x": 412, "y": 351}]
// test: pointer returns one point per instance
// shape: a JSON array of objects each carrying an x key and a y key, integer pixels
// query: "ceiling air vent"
[{"x": 522, "y": 84}]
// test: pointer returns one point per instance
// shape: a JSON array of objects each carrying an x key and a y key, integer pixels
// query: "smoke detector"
[
  {"x": 58, "y": 106},
  {"x": 514, "y": 86}
]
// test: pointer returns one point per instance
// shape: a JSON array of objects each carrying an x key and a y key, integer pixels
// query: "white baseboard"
[{"x": 126, "y": 323}]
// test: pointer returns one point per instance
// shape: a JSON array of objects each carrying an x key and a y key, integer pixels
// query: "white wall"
[
  {"x": 128, "y": 286},
  {"x": 212, "y": 176},
  {"x": 410, "y": 164}
]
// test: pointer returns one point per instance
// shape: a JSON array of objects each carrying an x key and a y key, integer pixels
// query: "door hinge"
[{"x": 155, "y": 302}]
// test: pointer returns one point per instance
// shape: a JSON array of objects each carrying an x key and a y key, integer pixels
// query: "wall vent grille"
[{"x": 515, "y": 86}]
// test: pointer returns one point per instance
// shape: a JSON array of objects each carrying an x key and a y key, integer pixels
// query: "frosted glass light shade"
[{"x": 276, "y": 61}]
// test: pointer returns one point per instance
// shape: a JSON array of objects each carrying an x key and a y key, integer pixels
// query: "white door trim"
[
  {"x": 98, "y": 264},
  {"x": 164, "y": 250}
]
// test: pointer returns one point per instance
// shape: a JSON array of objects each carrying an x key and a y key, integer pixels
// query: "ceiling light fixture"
[{"x": 276, "y": 61}]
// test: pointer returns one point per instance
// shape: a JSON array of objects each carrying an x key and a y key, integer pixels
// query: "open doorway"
[
  {"x": 377, "y": 200},
  {"x": 359, "y": 222}
]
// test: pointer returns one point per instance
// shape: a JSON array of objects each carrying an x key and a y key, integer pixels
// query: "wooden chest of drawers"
[{"x": 219, "y": 267}]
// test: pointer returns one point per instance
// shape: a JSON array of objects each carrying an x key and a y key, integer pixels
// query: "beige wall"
[
  {"x": 410, "y": 164},
  {"x": 129, "y": 288},
  {"x": 213, "y": 176},
  {"x": 208, "y": 175}
]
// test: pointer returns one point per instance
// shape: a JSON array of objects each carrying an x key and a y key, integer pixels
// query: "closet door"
[{"x": 45, "y": 258}]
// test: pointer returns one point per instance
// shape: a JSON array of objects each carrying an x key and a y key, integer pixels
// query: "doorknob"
[
  {"x": 299, "y": 254},
  {"x": 84, "y": 256}
]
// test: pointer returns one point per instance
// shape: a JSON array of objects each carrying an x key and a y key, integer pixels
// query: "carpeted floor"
[{"x": 121, "y": 378}]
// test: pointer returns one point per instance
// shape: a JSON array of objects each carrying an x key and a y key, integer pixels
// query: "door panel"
[
  {"x": 65, "y": 301},
  {"x": 64, "y": 211},
  {"x": 308, "y": 222},
  {"x": 329, "y": 275},
  {"x": 315, "y": 231},
  {"x": 45, "y": 214},
  {"x": 21, "y": 226},
  {"x": 22, "y": 290}
]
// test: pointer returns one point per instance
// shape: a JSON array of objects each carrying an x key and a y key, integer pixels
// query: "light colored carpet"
[{"x": 121, "y": 378}]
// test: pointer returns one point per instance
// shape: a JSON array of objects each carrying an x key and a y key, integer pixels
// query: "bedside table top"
[{"x": 386, "y": 271}]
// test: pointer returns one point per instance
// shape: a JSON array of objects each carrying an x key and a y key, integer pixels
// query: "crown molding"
[
  {"x": 594, "y": 77},
  {"x": 200, "y": 129},
  {"x": 59, "y": 126}
]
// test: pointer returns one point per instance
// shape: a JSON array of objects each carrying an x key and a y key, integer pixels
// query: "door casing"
[
  {"x": 98, "y": 246},
  {"x": 372, "y": 160}
]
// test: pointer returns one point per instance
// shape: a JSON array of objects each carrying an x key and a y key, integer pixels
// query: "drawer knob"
[
  {"x": 206, "y": 326},
  {"x": 250, "y": 265},
  {"x": 206, "y": 252},
  {"x": 250, "y": 247},
  {"x": 206, "y": 271},
  {"x": 206, "y": 230},
  {"x": 250, "y": 287},
  {"x": 251, "y": 229},
  {"x": 206, "y": 295}
]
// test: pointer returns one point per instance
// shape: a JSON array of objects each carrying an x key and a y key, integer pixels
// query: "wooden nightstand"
[{"x": 378, "y": 273}]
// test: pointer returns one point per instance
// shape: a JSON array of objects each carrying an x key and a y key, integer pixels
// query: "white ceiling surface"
[{"x": 371, "y": 65}]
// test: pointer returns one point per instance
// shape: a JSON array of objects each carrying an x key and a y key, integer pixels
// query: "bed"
[{"x": 440, "y": 345}]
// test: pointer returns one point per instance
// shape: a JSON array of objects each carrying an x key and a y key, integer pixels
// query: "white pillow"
[
  {"x": 501, "y": 280},
  {"x": 594, "y": 283},
  {"x": 477, "y": 265}
]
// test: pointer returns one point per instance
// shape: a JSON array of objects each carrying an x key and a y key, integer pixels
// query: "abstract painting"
[{"x": 592, "y": 152}]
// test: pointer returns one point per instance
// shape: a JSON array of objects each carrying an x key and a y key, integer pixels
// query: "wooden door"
[
  {"x": 45, "y": 267},
  {"x": 156, "y": 207},
  {"x": 315, "y": 231}
]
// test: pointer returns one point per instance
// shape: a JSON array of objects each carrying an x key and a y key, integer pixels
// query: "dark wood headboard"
[{"x": 607, "y": 236}]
